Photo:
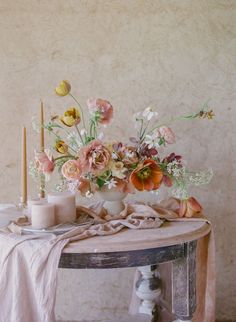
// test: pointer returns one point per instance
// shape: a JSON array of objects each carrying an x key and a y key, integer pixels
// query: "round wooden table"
[{"x": 173, "y": 242}]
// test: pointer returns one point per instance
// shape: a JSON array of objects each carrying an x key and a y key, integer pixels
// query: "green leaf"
[{"x": 100, "y": 182}]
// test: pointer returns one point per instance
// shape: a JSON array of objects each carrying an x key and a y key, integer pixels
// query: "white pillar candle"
[
  {"x": 34, "y": 201},
  {"x": 42, "y": 216},
  {"x": 65, "y": 207}
]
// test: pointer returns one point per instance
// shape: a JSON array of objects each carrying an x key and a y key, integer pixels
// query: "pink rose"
[
  {"x": 189, "y": 207},
  {"x": 71, "y": 170},
  {"x": 167, "y": 134},
  {"x": 102, "y": 108},
  {"x": 44, "y": 162},
  {"x": 94, "y": 157}
]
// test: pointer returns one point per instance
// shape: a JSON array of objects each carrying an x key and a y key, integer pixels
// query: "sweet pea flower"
[
  {"x": 63, "y": 89},
  {"x": 70, "y": 117},
  {"x": 95, "y": 157},
  {"x": 71, "y": 170},
  {"x": 102, "y": 109},
  {"x": 148, "y": 113},
  {"x": 189, "y": 207},
  {"x": 44, "y": 162},
  {"x": 167, "y": 134}
]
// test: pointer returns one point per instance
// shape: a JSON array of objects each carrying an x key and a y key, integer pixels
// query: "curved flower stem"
[
  {"x": 172, "y": 120},
  {"x": 59, "y": 138},
  {"x": 144, "y": 130},
  {"x": 81, "y": 110},
  {"x": 182, "y": 117},
  {"x": 80, "y": 136},
  {"x": 141, "y": 129},
  {"x": 64, "y": 156}
]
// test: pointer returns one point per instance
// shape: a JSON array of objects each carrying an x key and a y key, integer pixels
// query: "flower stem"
[
  {"x": 80, "y": 136},
  {"x": 81, "y": 110},
  {"x": 64, "y": 156}
]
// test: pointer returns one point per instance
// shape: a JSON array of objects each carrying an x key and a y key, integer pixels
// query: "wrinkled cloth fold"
[{"x": 28, "y": 276}]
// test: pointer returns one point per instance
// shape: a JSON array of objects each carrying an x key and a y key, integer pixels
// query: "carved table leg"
[
  {"x": 184, "y": 284},
  {"x": 148, "y": 289}
]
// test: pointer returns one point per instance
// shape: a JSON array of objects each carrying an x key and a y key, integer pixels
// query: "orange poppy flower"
[{"x": 147, "y": 176}]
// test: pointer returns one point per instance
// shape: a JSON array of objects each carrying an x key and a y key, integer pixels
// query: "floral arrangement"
[{"x": 87, "y": 163}]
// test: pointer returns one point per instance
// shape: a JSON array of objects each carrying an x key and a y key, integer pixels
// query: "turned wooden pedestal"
[{"x": 173, "y": 243}]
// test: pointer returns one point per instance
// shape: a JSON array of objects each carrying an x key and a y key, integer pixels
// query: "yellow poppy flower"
[
  {"x": 61, "y": 147},
  {"x": 70, "y": 117},
  {"x": 63, "y": 89}
]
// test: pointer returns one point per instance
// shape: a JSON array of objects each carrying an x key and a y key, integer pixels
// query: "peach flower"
[
  {"x": 189, "y": 207},
  {"x": 71, "y": 170},
  {"x": 84, "y": 186},
  {"x": 95, "y": 157},
  {"x": 124, "y": 186},
  {"x": 167, "y": 134},
  {"x": 44, "y": 162},
  {"x": 102, "y": 108},
  {"x": 147, "y": 176}
]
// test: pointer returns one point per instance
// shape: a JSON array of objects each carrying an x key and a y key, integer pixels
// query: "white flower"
[
  {"x": 148, "y": 113},
  {"x": 72, "y": 185},
  {"x": 111, "y": 183},
  {"x": 73, "y": 140},
  {"x": 150, "y": 140},
  {"x": 118, "y": 170},
  {"x": 137, "y": 116},
  {"x": 129, "y": 154},
  {"x": 114, "y": 156},
  {"x": 174, "y": 168},
  {"x": 100, "y": 136},
  {"x": 89, "y": 194},
  {"x": 35, "y": 124},
  {"x": 83, "y": 131}
]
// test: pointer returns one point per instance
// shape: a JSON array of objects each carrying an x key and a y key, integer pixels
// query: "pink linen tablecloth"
[{"x": 28, "y": 275}]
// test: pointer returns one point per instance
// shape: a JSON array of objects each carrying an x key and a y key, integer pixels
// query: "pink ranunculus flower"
[
  {"x": 103, "y": 109},
  {"x": 94, "y": 157},
  {"x": 189, "y": 207},
  {"x": 71, "y": 170},
  {"x": 44, "y": 162},
  {"x": 167, "y": 134}
]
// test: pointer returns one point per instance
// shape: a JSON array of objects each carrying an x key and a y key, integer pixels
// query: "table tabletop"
[
  {"x": 133, "y": 248},
  {"x": 170, "y": 233}
]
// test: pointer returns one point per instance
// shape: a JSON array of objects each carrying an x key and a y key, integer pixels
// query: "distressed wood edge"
[
  {"x": 122, "y": 259},
  {"x": 132, "y": 246}
]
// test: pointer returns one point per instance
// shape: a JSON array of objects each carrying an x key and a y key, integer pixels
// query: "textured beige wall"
[{"x": 173, "y": 55}]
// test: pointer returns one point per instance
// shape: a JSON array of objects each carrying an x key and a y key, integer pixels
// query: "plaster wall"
[{"x": 173, "y": 55}]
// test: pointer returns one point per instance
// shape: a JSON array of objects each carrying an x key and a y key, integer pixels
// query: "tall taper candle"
[
  {"x": 41, "y": 128},
  {"x": 42, "y": 181},
  {"x": 24, "y": 168}
]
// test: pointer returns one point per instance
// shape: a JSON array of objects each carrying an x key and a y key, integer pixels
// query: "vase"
[{"x": 113, "y": 201}]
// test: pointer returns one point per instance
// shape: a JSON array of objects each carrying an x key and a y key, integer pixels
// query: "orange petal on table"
[
  {"x": 190, "y": 207},
  {"x": 182, "y": 208},
  {"x": 193, "y": 207}
]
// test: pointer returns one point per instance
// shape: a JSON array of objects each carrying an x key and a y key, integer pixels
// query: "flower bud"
[
  {"x": 61, "y": 147},
  {"x": 63, "y": 89}
]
